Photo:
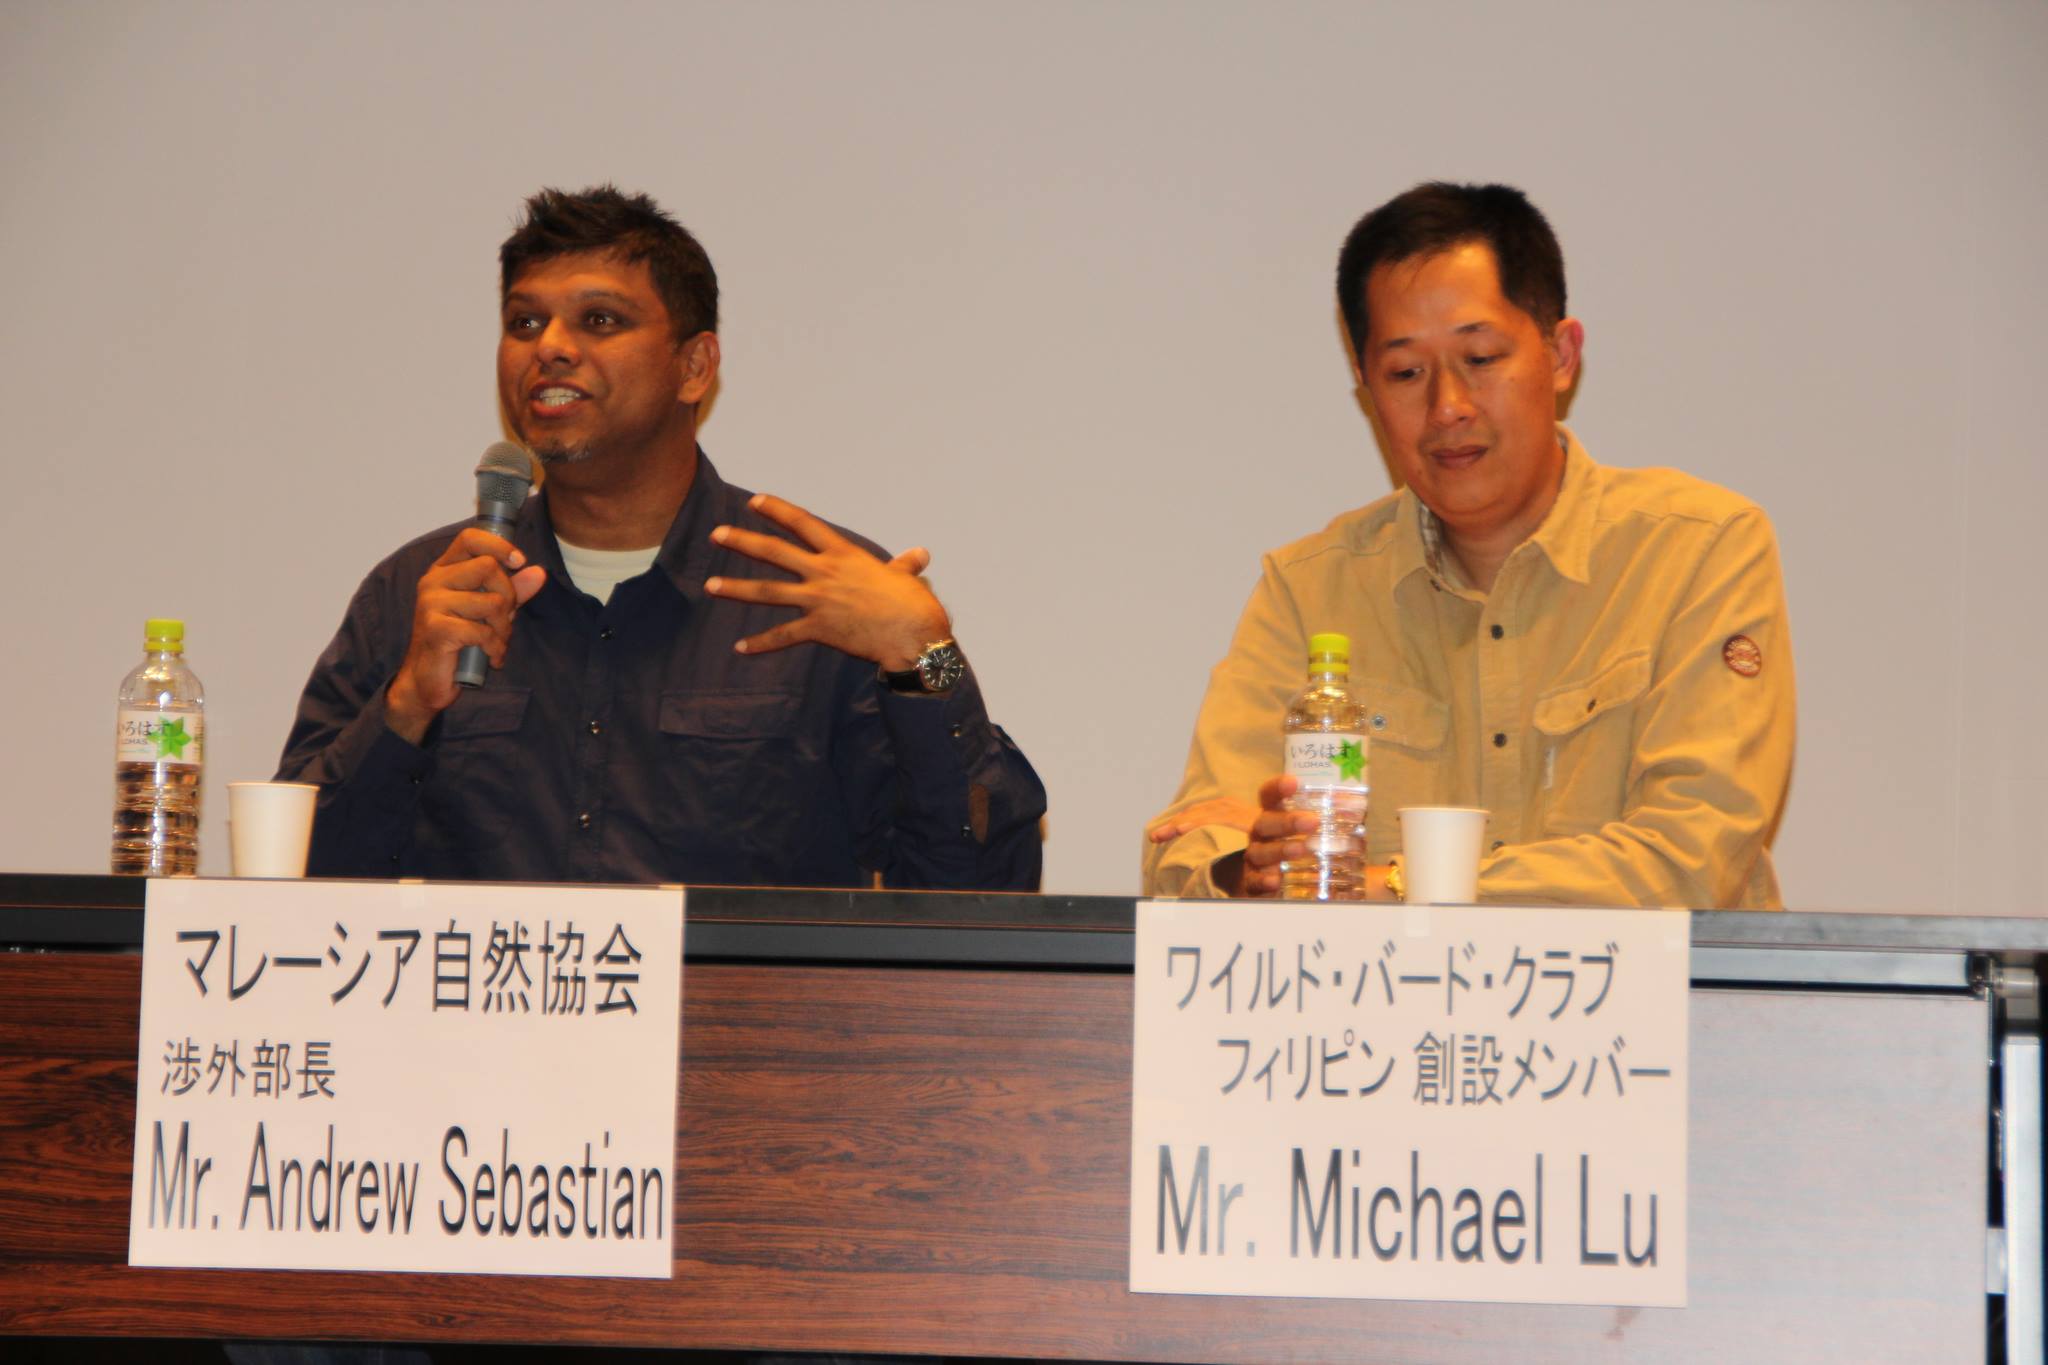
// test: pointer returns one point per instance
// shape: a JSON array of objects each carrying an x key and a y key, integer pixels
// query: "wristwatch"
[
  {"x": 936, "y": 670},
  {"x": 1397, "y": 885}
]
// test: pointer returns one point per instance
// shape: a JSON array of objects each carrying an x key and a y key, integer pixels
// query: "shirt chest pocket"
[
  {"x": 482, "y": 767},
  {"x": 729, "y": 767},
  {"x": 1407, "y": 729},
  {"x": 1588, "y": 736}
]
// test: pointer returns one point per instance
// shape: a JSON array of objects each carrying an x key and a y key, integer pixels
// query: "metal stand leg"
[{"x": 2020, "y": 1156}]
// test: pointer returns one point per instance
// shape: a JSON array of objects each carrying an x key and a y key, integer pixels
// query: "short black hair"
[
  {"x": 631, "y": 226},
  {"x": 1436, "y": 216}
]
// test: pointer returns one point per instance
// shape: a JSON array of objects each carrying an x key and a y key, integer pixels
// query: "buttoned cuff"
[{"x": 932, "y": 733}]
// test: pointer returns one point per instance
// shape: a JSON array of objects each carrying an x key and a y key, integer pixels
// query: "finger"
[
  {"x": 1222, "y": 810},
  {"x": 1262, "y": 852},
  {"x": 1272, "y": 854},
  {"x": 1274, "y": 790},
  {"x": 447, "y": 636},
  {"x": 527, "y": 582},
  {"x": 782, "y": 637},
  {"x": 1289, "y": 837},
  {"x": 1266, "y": 852},
  {"x": 811, "y": 530},
  {"x": 493, "y": 600},
  {"x": 766, "y": 548},
  {"x": 451, "y": 634},
  {"x": 913, "y": 561},
  {"x": 769, "y": 590},
  {"x": 1278, "y": 824},
  {"x": 1170, "y": 827},
  {"x": 481, "y": 607},
  {"x": 480, "y": 581},
  {"x": 473, "y": 542},
  {"x": 481, "y": 574}
]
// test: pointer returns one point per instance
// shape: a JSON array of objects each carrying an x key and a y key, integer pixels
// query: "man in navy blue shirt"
[{"x": 688, "y": 682}]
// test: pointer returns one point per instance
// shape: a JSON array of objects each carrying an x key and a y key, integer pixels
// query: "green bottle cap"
[{"x": 162, "y": 630}]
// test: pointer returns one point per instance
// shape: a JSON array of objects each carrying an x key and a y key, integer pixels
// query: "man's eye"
[
  {"x": 522, "y": 323},
  {"x": 1484, "y": 359},
  {"x": 1403, "y": 376},
  {"x": 601, "y": 320}
]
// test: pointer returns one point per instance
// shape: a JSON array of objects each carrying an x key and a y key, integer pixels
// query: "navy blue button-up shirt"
[{"x": 627, "y": 742}]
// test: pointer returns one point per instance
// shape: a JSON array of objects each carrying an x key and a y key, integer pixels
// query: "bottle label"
[
  {"x": 151, "y": 736},
  {"x": 1328, "y": 760}
]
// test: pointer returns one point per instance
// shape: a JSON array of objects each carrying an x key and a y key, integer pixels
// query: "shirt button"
[
  {"x": 1498, "y": 632},
  {"x": 956, "y": 732},
  {"x": 1500, "y": 741},
  {"x": 1498, "y": 845},
  {"x": 967, "y": 831},
  {"x": 606, "y": 633},
  {"x": 596, "y": 727},
  {"x": 583, "y": 820}
]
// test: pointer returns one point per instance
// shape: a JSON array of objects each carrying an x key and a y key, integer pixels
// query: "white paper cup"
[
  {"x": 269, "y": 826},
  {"x": 1440, "y": 854}
]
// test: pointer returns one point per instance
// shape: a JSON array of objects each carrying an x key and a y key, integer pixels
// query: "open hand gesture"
[{"x": 846, "y": 597}]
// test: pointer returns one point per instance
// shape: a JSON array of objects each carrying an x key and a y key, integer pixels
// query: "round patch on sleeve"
[{"x": 1742, "y": 656}]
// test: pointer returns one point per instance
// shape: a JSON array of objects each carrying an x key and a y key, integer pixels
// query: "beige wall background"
[{"x": 1045, "y": 287}]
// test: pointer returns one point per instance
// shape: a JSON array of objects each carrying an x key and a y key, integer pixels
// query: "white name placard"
[
  {"x": 1410, "y": 1103},
  {"x": 393, "y": 1076}
]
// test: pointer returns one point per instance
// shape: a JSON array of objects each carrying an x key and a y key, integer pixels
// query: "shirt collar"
[
  {"x": 686, "y": 551},
  {"x": 1565, "y": 537},
  {"x": 1417, "y": 544}
]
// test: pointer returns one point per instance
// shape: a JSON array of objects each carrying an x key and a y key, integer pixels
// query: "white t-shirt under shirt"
[{"x": 597, "y": 572}]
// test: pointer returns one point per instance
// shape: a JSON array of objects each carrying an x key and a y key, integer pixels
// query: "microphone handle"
[{"x": 471, "y": 665}]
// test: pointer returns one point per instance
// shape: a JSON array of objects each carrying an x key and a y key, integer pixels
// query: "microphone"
[{"x": 503, "y": 477}]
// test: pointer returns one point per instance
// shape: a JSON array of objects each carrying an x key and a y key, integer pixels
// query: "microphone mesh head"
[{"x": 504, "y": 474}]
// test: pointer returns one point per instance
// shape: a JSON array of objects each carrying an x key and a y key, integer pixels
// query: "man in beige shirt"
[{"x": 1597, "y": 656}]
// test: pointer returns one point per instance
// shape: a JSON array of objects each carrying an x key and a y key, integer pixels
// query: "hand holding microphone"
[
  {"x": 462, "y": 614},
  {"x": 503, "y": 477}
]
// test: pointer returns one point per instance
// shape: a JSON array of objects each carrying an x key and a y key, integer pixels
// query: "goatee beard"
[{"x": 560, "y": 454}]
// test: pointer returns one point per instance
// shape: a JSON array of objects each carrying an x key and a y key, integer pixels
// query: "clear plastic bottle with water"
[
  {"x": 1327, "y": 753},
  {"x": 158, "y": 741}
]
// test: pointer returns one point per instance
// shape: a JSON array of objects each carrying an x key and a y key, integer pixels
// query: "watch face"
[{"x": 940, "y": 668}]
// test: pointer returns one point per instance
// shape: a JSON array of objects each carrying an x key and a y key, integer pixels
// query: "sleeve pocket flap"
[
  {"x": 729, "y": 715},
  {"x": 1620, "y": 683}
]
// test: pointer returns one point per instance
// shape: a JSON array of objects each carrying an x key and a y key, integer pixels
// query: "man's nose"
[
  {"x": 557, "y": 344},
  {"x": 1450, "y": 398}
]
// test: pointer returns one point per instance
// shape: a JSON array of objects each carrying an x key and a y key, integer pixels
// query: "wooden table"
[{"x": 906, "y": 1125}]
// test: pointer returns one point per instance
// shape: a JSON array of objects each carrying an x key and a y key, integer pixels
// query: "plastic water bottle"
[
  {"x": 158, "y": 740},
  {"x": 1327, "y": 749}
]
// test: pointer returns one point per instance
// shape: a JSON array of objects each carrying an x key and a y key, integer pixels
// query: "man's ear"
[
  {"x": 697, "y": 367},
  {"x": 1567, "y": 344},
  {"x": 1359, "y": 386}
]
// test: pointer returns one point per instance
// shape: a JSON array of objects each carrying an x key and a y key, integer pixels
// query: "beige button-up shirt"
[{"x": 1621, "y": 701}]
